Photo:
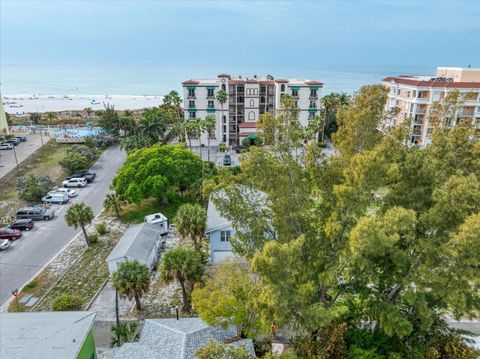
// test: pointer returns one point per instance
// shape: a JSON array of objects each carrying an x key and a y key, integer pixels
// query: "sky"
[{"x": 197, "y": 33}]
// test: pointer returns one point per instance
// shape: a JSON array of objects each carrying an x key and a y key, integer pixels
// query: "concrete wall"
[
  {"x": 88, "y": 350},
  {"x": 217, "y": 245}
]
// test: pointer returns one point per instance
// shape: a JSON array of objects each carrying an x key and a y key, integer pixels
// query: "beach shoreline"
[{"x": 28, "y": 103}]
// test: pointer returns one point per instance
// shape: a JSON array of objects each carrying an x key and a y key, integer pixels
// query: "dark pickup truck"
[{"x": 89, "y": 176}]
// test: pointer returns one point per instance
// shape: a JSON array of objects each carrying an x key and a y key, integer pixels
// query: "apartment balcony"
[
  {"x": 422, "y": 99},
  {"x": 191, "y": 97},
  {"x": 418, "y": 123},
  {"x": 417, "y": 133},
  {"x": 466, "y": 113},
  {"x": 210, "y": 97},
  {"x": 421, "y": 111}
]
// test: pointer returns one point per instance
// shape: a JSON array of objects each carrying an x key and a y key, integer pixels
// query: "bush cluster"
[{"x": 67, "y": 302}]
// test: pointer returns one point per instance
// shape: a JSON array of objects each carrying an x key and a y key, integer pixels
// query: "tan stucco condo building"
[
  {"x": 414, "y": 95},
  {"x": 248, "y": 98}
]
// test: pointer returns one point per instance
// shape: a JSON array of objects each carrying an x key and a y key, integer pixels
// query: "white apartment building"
[
  {"x": 248, "y": 98},
  {"x": 414, "y": 95}
]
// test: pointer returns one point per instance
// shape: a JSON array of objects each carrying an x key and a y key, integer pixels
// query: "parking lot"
[
  {"x": 22, "y": 150},
  {"x": 27, "y": 255}
]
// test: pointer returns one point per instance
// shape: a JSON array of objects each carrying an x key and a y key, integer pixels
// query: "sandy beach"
[{"x": 20, "y": 104}]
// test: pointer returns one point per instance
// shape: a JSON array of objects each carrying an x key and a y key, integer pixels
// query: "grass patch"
[
  {"x": 43, "y": 161},
  {"x": 36, "y": 288},
  {"x": 85, "y": 277},
  {"x": 133, "y": 213}
]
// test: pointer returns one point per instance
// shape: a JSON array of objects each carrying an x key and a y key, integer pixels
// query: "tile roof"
[
  {"x": 247, "y": 124},
  {"x": 173, "y": 339},
  {"x": 406, "y": 80},
  {"x": 43, "y": 335},
  {"x": 190, "y": 82}
]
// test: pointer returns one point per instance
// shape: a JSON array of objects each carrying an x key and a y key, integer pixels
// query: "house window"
[
  {"x": 262, "y": 99},
  {"x": 192, "y": 115},
  {"x": 191, "y": 92},
  {"x": 225, "y": 235},
  {"x": 224, "y": 128},
  {"x": 224, "y": 87},
  {"x": 252, "y": 103},
  {"x": 313, "y": 92},
  {"x": 251, "y": 116},
  {"x": 240, "y": 99},
  {"x": 191, "y": 104},
  {"x": 294, "y": 92},
  {"x": 211, "y": 104},
  {"x": 311, "y": 114},
  {"x": 282, "y": 88},
  {"x": 210, "y": 93},
  {"x": 263, "y": 89},
  {"x": 224, "y": 119},
  {"x": 313, "y": 104}
]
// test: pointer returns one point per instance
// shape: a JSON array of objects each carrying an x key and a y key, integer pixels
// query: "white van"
[{"x": 58, "y": 197}]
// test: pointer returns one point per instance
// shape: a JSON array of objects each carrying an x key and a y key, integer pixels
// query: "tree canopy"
[
  {"x": 158, "y": 172},
  {"x": 380, "y": 232}
]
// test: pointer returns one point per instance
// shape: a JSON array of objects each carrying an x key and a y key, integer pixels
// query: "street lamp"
[{"x": 15, "y": 154}]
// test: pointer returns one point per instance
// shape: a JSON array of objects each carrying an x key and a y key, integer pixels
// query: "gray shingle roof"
[
  {"x": 137, "y": 242},
  {"x": 172, "y": 339},
  {"x": 43, "y": 335}
]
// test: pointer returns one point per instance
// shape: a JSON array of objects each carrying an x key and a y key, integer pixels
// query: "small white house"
[
  {"x": 159, "y": 220},
  {"x": 141, "y": 242}
]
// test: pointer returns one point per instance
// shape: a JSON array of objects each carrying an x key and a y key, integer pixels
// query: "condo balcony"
[
  {"x": 466, "y": 112},
  {"x": 421, "y": 111},
  {"x": 417, "y": 133}
]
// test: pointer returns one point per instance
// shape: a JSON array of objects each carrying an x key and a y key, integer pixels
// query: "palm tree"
[
  {"x": 51, "y": 116},
  {"x": 198, "y": 127},
  {"x": 124, "y": 332},
  {"x": 132, "y": 279},
  {"x": 113, "y": 201},
  {"x": 35, "y": 117},
  {"x": 190, "y": 130},
  {"x": 209, "y": 125},
  {"x": 186, "y": 266},
  {"x": 88, "y": 111},
  {"x": 190, "y": 223},
  {"x": 222, "y": 98},
  {"x": 152, "y": 124},
  {"x": 79, "y": 215}
]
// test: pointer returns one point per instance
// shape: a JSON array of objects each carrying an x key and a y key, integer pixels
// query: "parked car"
[
  {"x": 10, "y": 234},
  {"x": 68, "y": 191},
  {"x": 238, "y": 149},
  {"x": 75, "y": 182},
  {"x": 6, "y": 146},
  {"x": 58, "y": 198},
  {"x": 13, "y": 140},
  {"x": 227, "y": 160},
  {"x": 21, "y": 138},
  {"x": 89, "y": 176},
  {"x": 36, "y": 213},
  {"x": 4, "y": 244},
  {"x": 22, "y": 224}
]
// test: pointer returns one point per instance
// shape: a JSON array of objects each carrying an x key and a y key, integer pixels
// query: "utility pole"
[
  {"x": 116, "y": 307},
  {"x": 15, "y": 154}
]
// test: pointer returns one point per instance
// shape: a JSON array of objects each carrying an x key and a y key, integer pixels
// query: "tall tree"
[
  {"x": 50, "y": 116},
  {"x": 35, "y": 117},
  {"x": 222, "y": 98},
  {"x": 88, "y": 111},
  {"x": 153, "y": 124},
  {"x": 228, "y": 298},
  {"x": 332, "y": 103},
  {"x": 190, "y": 223},
  {"x": 172, "y": 108},
  {"x": 80, "y": 215},
  {"x": 186, "y": 266},
  {"x": 109, "y": 119},
  {"x": 132, "y": 279},
  {"x": 209, "y": 125}
]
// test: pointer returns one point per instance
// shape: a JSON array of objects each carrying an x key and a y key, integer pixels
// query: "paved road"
[
  {"x": 23, "y": 150},
  {"x": 28, "y": 255}
]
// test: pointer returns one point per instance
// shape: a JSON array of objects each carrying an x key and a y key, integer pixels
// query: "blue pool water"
[{"x": 80, "y": 132}]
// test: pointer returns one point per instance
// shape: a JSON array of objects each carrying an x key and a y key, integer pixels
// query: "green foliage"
[
  {"x": 190, "y": 223},
  {"x": 32, "y": 188},
  {"x": 114, "y": 202},
  {"x": 79, "y": 215},
  {"x": 132, "y": 279},
  {"x": 101, "y": 228},
  {"x": 93, "y": 238},
  {"x": 215, "y": 350},
  {"x": 222, "y": 147},
  {"x": 262, "y": 346},
  {"x": 187, "y": 267},
  {"x": 289, "y": 354},
  {"x": 330, "y": 343},
  {"x": 379, "y": 233},
  {"x": 103, "y": 139},
  {"x": 333, "y": 103},
  {"x": 109, "y": 119},
  {"x": 74, "y": 162},
  {"x": 35, "y": 117},
  {"x": 88, "y": 152},
  {"x": 158, "y": 172},
  {"x": 228, "y": 298},
  {"x": 135, "y": 142},
  {"x": 67, "y": 302},
  {"x": 125, "y": 332}
]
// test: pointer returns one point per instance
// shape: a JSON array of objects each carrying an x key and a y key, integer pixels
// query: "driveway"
[
  {"x": 23, "y": 150},
  {"x": 28, "y": 255}
]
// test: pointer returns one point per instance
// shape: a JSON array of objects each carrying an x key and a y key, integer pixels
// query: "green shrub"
[
  {"x": 93, "y": 238},
  {"x": 31, "y": 285},
  {"x": 67, "y": 302},
  {"x": 222, "y": 147},
  {"x": 262, "y": 346},
  {"x": 90, "y": 153},
  {"x": 74, "y": 162},
  {"x": 101, "y": 229},
  {"x": 32, "y": 188},
  {"x": 7, "y": 137}
]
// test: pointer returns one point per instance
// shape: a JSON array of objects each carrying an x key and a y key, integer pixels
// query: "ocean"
[{"x": 158, "y": 80}]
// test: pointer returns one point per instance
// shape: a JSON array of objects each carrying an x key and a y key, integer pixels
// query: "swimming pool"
[{"x": 77, "y": 131}]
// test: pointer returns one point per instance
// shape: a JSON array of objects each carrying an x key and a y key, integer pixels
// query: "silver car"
[
  {"x": 4, "y": 244},
  {"x": 6, "y": 146}
]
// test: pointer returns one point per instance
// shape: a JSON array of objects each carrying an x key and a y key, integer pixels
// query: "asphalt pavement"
[
  {"x": 27, "y": 255},
  {"x": 22, "y": 150}
]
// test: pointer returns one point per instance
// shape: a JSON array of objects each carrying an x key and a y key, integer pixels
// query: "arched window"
[
  {"x": 224, "y": 119},
  {"x": 252, "y": 103},
  {"x": 251, "y": 116},
  {"x": 249, "y": 91},
  {"x": 255, "y": 91},
  {"x": 282, "y": 88},
  {"x": 224, "y": 87}
]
